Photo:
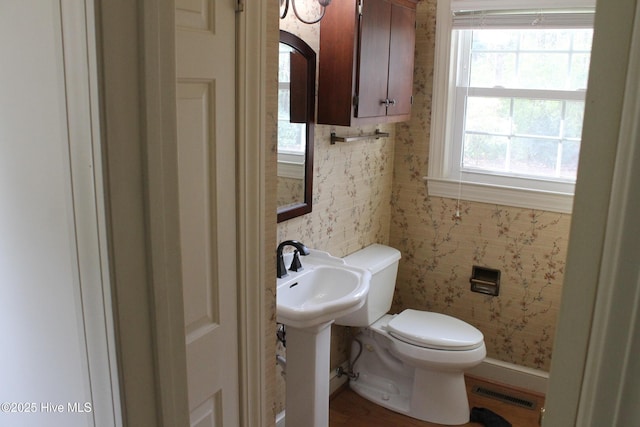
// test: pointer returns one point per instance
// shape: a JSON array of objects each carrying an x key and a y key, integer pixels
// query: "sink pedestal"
[{"x": 307, "y": 376}]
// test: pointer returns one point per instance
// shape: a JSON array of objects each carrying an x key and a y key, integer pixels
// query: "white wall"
[{"x": 54, "y": 332}]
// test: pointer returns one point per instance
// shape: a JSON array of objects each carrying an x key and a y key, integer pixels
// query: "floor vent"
[{"x": 503, "y": 397}]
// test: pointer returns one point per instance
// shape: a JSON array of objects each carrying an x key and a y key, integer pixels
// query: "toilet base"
[
  {"x": 434, "y": 396},
  {"x": 383, "y": 392},
  {"x": 440, "y": 397}
]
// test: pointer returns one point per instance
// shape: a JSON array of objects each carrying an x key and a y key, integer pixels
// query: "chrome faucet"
[{"x": 295, "y": 264}]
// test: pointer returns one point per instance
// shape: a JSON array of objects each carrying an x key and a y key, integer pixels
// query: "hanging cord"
[{"x": 458, "y": 216}]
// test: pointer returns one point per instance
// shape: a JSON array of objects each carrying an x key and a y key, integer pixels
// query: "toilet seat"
[{"x": 434, "y": 330}]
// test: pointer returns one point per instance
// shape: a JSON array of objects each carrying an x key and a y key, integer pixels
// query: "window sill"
[
  {"x": 501, "y": 195},
  {"x": 291, "y": 165}
]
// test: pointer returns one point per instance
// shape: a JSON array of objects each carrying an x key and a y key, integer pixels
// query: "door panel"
[
  {"x": 208, "y": 414},
  {"x": 194, "y": 14},
  {"x": 374, "y": 59},
  {"x": 403, "y": 21},
  {"x": 205, "y": 65},
  {"x": 197, "y": 223}
]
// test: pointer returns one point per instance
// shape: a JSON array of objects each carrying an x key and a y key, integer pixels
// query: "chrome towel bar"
[{"x": 376, "y": 135}]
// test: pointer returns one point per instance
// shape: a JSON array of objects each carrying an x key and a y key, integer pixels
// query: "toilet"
[{"x": 412, "y": 362}]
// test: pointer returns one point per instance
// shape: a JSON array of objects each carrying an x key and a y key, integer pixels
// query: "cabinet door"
[
  {"x": 401, "y": 52},
  {"x": 373, "y": 70}
]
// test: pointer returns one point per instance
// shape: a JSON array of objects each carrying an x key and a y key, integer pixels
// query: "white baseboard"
[
  {"x": 335, "y": 383},
  {"x": 512, "y": 375}
]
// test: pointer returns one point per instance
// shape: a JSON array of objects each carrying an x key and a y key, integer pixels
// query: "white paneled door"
[{"x": 205, "y": 68}]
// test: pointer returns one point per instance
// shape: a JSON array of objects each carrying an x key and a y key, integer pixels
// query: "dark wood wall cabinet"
[{"x": 366, "y": 62}]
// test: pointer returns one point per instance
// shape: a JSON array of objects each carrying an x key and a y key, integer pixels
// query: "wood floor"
[{"x": 347, "y": 409}]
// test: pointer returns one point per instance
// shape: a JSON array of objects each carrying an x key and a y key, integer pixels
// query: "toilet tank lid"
[{"x": 374, "y": 257}]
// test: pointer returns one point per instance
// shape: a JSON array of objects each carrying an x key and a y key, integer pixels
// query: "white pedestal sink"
[{"x": 308, "y": 301}]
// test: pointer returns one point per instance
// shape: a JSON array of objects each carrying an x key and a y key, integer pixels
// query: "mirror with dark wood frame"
[{"x": 296, "y": 116}]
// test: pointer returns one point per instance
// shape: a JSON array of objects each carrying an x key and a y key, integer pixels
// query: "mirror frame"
[{"x": 299, "y": 209}]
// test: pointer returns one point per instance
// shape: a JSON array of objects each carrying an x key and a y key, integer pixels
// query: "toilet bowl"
[{"x": 412, "y": 362}]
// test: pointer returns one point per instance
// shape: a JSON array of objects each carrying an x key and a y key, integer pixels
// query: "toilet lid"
[{"x": 434, "y": 330}]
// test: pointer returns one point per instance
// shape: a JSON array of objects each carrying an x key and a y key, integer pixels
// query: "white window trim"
[
  {"x": 291, "y": 164},
  {"x": 439, "y": 180}
]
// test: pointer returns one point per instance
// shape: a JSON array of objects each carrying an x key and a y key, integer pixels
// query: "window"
[
  {"x": 508, "y": 104},
  {"x": 292, "y": 137}
]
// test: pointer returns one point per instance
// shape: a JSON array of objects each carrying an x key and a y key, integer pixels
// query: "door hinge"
[
  {"x": 360, "y": 7},
  {"x": 239, "y": 5},
  {"x": 355, "y": 100}
]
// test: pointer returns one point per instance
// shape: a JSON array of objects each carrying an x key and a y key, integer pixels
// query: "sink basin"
[
  {"x": 308, "y": 301},
  {"x": 327, "y": 288}
]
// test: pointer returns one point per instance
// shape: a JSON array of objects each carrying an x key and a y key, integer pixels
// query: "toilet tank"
[{"x": 382, "y": 262}]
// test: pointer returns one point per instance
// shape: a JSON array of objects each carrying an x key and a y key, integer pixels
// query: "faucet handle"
[
  {"x": 296, "y": 265},
  {"x": 301, "y": 249}
]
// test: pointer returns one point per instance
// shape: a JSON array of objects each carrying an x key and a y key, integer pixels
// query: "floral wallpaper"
[
  {"x": 373, "y": 191},
  {"x": 527, "y": 246},
  {"x": 290, "y": 191},
  {"x": 351, "y": 193},
  {"x": 439, "y": 250}
]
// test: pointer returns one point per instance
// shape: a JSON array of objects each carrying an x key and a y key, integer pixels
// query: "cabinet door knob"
[{"x": 388, "y": 102}]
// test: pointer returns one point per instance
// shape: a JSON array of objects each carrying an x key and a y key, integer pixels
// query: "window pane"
[
  {"x": 545, "y": 40},
  {"x": 485, "y": 152},
  {"x": 491, "y": 115},
  {"x": 537, "y": 117},
  {"x": 569, "y": 159},
  {"x": 530, "y": 59},
  {"x": 284, "y": 65},
  {"x": 582, "y": 40},
  {"x": 543, "y": 71},
  {"x": 573, "y": 116},
  {"x": 531, "y": 156},
  {"x": 579, "y": 71},
  {"x": 493, "y": 58},
  {"x": 493, "y": 69},
  {"x": 283, "y": 104},
  {"x": 291, "y": 136},
  {"x": 488, "y": 40}
]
